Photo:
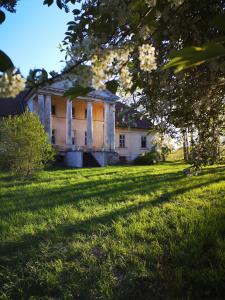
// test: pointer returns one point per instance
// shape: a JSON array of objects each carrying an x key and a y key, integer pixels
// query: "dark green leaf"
[
  {"x": 48, "y": 2},
  {"x": 71, "y": 23},
  {"x": 2, "y": 16},
  {"x": 112, "y": 86},
  {"x": 76, "y": 12},
  {"x": 5, "y": 62},
  {"x": 59, "y": 4},
  {"x": 77, "y": 91},
  {"x": 219, "y": 22}
]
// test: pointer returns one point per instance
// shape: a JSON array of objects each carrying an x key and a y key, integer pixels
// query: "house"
[{"x": 96, "y": 129}]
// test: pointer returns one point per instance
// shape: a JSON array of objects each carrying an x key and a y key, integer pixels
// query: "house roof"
[
  {"x": 127, "y": 116},
  {"x": 12, "y": 106},
  {"x": 61, "y": 85},
  {"x": 103, "y": 95}
]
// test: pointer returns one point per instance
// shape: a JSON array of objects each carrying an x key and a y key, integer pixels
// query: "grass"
[{"x": 113, "y": 233}]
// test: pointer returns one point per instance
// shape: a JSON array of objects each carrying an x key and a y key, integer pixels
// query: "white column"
[
  {"x": 106, "y": 126},
  {"x": 48, "y": 116},
  {"x": 112, "y": 126},
  {"x": 69, "y": 122},
  {"x": 89, "y": 125},
  {"x": 41, "y": 108}
]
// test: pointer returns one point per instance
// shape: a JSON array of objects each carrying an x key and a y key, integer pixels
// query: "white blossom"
[
  {"x": 125, "y": 77},
  {"x": 147, "y": 57},
  {"x": 108, "y": 63},
  {"x": 11, "y": 84}
]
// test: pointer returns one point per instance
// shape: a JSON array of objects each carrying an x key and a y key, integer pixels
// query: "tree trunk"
[{"x": 184, "y": 145}]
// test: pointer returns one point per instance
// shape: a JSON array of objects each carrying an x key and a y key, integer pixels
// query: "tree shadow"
[
  {"x": 104, "y": 190},
  {"x": 91, "y": 224}
]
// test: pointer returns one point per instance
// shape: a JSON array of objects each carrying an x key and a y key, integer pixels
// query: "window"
[
  {"x": 85, "y": 113},
  {"x": 122, "y": 141},
  {"x": 143, "y": 141},
  {"x": 73, "y": 112},
  {"x": 53, "y": 109},
  {"x": 53, "y": 136},
  {"x": 85, "y": 138},
  {"x": 74, "y": 137}
]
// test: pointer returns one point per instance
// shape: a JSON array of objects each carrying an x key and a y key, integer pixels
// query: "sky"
[{"x": 31, "y": 36}]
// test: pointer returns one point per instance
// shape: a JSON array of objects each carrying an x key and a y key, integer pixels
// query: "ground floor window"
[
  {"x": 122, "y": 141},
  {"x": 85, "y": 138},
  {"x": 143, "y": 141},
  {"x": 53, "y": 136},
  {"x": 74, "y": 137}
]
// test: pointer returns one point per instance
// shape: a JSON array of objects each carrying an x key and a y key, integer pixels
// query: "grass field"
[{"x": 113, "y": 233}]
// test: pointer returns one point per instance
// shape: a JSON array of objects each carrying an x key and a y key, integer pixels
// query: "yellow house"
[{"x": 89, "y": 130}]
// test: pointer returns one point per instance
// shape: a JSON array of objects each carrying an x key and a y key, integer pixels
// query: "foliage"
[
  {"x": 113, "y": 233},
  {"x": 24, "y": 145},
  {"x": 165, "y": 151},
  {"x": 134, "y": 44},
  {"x": 148, "y": 158},
  {"x": 9, "y": 5},
  {"x": 5, "y": 62},
  {"x": 176, "y": 155}
]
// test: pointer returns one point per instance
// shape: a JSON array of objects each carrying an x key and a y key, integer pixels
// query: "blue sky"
[{"x": 31, "y": 36}]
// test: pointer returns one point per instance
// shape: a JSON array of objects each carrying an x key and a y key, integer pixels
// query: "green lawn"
[{"x": 113, "y": 233}]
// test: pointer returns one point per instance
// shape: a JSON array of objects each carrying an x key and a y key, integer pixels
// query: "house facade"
[{"x": 90, "y": 130}]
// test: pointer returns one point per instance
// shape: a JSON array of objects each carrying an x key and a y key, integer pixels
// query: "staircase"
[{"x": 89, "y": 160}]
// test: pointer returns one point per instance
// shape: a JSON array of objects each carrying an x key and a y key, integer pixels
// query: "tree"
[
  {"x": 134, "y": 44},
  {"x": 24, "y": 145}
]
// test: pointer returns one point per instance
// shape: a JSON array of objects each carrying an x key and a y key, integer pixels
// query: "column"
[
  {"x": 106, "y": 126},
  {"x": 30, "y": 104},
  {"x": 69, "y": 122},
  {"x": 89, "y": 125},
  {"x": 48, "y": 116},
  {"x": 41, "y": 108},
  {"x": 112, "y": 126}
]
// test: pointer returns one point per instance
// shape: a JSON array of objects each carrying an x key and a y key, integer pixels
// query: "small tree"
[
  {"x": 24, "y": 145},
  {"x": 162, "y": 144}
]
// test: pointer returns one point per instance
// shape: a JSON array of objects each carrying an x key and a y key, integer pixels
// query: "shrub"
[
  {"x": 24, "y": 145},
  {"x": 148, "y": 158}
]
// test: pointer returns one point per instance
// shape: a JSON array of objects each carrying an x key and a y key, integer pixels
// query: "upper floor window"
[
  {"x": 53, "y": 109},
  {"x": 122, "y": 141},
  {"x": 143, "y": 141},
  {"x": 53, "y": 136},
  {"x": 85, "y": 114},
  {"x": 73, "y": 112}
]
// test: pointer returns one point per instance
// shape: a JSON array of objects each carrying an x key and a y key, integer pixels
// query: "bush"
[
  {"x": 24, "y": 144},
  {"x": 148, "y": 158}
]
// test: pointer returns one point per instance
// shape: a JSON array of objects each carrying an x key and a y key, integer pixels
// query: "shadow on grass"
[
  {"x": 195, "y": 252},
  {"x": 146, "y": 184},
  {"x": 72, "y": 193},
  {"x": 102, "y": 190}
]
